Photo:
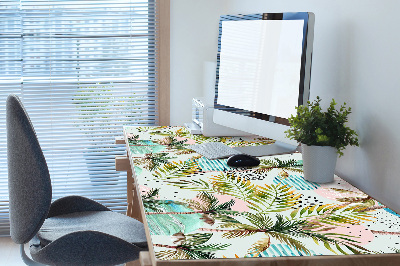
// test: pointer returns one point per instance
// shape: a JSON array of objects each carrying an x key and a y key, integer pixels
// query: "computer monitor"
[{"x": 263, "y": 73}]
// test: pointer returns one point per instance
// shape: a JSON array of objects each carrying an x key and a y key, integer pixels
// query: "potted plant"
[{"x": 323, "y": 135}]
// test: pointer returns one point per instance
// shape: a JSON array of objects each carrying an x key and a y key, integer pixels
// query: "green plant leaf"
[{"x": 312, "y": 126}]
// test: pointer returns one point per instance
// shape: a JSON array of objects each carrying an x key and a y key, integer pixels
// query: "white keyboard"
[{"x": 214, "y": 150}]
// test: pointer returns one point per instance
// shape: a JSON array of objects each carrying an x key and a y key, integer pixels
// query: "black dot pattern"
[
  {"x": 384, "y": 221},
  {"x": 305, "y": 200},
  {"x": 246, "y": 174}
]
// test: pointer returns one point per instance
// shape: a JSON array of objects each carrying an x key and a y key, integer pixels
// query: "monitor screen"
[{"x": 260, "y": 63}]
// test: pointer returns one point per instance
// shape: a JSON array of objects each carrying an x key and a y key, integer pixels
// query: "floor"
[{"x": 9, "y": 253}]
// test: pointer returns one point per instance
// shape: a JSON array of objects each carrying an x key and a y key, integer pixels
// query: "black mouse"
[{"x": 242, "y": 160}]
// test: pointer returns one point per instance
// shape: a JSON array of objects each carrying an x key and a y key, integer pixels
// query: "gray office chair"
[{"x": 70, "y": 231}]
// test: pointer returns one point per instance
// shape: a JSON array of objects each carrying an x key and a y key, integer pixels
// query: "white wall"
[
  {"x": 194, "y": 41},
  {"x": 356, "y": 59}
]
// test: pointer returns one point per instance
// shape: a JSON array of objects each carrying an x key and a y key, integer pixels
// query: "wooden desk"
[{"x": 198, "y": 211}]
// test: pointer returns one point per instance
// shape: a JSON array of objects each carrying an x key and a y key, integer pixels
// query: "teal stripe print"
[
  {"x": 280, "y": 250},
  {"x": 212, "y": 165},
  {"x": 297, "y": 182}
]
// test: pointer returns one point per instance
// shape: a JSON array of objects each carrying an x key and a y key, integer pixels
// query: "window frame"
[{"x": 163, "y": 36}]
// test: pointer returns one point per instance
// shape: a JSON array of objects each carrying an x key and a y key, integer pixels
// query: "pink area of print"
[
  {"x": 188, "y": 141},
  {"x": 345, "y": 190},
  {"x": 144, "y": 190},
  {"x": 129, "y": 135},
  {"x": 355, "y": 232},
  {"x": 333, "y": 194},
  {"x": 240, "y": 205}
]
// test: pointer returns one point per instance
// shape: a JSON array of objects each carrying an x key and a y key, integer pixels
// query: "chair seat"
[{"x": 108, "y": 222}]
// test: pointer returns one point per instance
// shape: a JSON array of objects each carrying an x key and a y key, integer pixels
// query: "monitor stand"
[{"x": 266, "y": 150}]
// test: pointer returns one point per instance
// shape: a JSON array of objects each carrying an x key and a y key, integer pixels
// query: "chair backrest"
[{"x": 29, "y": 183}]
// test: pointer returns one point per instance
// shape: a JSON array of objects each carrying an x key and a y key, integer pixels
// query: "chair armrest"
[{"x": 72, "y": 204}]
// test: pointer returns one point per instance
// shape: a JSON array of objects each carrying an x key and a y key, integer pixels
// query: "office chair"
[{"x": 70, "y": 231}]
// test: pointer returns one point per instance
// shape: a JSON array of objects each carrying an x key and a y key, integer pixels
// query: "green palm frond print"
[
  {"x": 286, "y": 230},
  {"x": 203, "y": 209},
  {"x": 331, "y": 215},
  {"x": 172, "y": 143},
  {"x": 173, "y": 170},
  {"x": 151, "y": 203},
  {"x": 267, "y": 198},
  {"x": 209, "y": 203},
  {"x": 233, "y": 185},
  {"x": 193, "y": 246},
  {"x": 205, "y": 204},
  {"x": 151, "y": 161},
  {"x": 284, "y": 165},
  {"x": 273, "y": 198}
]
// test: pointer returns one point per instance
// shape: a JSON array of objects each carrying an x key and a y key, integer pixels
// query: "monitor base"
[{"x": 266, "y": 150}]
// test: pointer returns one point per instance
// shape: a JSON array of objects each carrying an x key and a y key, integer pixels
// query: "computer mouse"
[{"x": 242, "y": 160}]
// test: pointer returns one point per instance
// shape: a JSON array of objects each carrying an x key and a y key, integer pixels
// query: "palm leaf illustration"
[
  {"x": 284, "y": 230},
  {"x": 268, "y": 198},
  {"x": 225, "y": 183},
  {"x": 233, "y": 185},
  {"x": 209, "y": 204},
  {"x": 151, "y": 203},
  {"x": 205, "y": 204},
  {"x": 181, "y": 132},
  {"x": 177, "y": 169},
  {"x": 161, "y": 132},
  {"x": 132, "y": 139},
  {"x": 291, "y": 165},
  {"x": 151, "y": 194},
  {"x": 205, "y": 201},
  {"x": 273, "y": 198},
  {"x": 194, "y": 246},
  {"x": 261, "y": 223},
  {"x": 192, "y": 184},
  {"x": 260, "y": 246},
  {"x": 364, "y": 202},
  {"x": 172, "y": 143},
  {"x": 151, "y": 161},
  {"x": 331, "y": 215}
]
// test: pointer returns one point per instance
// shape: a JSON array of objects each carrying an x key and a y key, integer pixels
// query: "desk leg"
[
  {"x": 134, "y": 212},
  {"x": 129, "y": 192},
  {"x": 133, "y": 263},
  {"x": 132, "y": 198},
  {"x": 133, "y": 209},
  {"x": 144, "y": 260}
]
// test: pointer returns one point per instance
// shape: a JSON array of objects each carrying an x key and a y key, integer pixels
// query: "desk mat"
[{"x": 203, "y": 209}]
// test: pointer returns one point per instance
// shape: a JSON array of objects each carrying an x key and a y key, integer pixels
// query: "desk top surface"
[{"x": 203, "y": 209}]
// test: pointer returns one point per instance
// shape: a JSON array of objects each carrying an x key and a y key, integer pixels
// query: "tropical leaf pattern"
[
  {"x": 193, "y": 246},
  {"x": 203, "y": 209}
]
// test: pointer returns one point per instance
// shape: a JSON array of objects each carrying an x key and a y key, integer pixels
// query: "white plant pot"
[{"x": 319, "y": 163}]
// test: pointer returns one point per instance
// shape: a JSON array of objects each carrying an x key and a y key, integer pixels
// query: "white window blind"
[{"x": 83, "y": 69}]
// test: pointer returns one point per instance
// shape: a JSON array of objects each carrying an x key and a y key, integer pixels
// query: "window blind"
[{"x": 83, "y": 69}]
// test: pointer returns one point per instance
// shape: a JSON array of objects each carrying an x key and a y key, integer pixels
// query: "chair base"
[{"x": 26, "y": 259}]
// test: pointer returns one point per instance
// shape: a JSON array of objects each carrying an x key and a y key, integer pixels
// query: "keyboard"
[{"x": 214, "y": 150}]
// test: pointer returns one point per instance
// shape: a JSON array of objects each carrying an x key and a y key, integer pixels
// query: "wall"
[
  {"x": 355, "y": 60},
  {"x": 194, "y": 41}
]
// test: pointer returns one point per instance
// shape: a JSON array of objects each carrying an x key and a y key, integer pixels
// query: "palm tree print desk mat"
[{"x": 202, "y": 209}]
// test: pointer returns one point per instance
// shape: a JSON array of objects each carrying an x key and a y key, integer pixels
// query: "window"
[{"x": 83, "y": 69}]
